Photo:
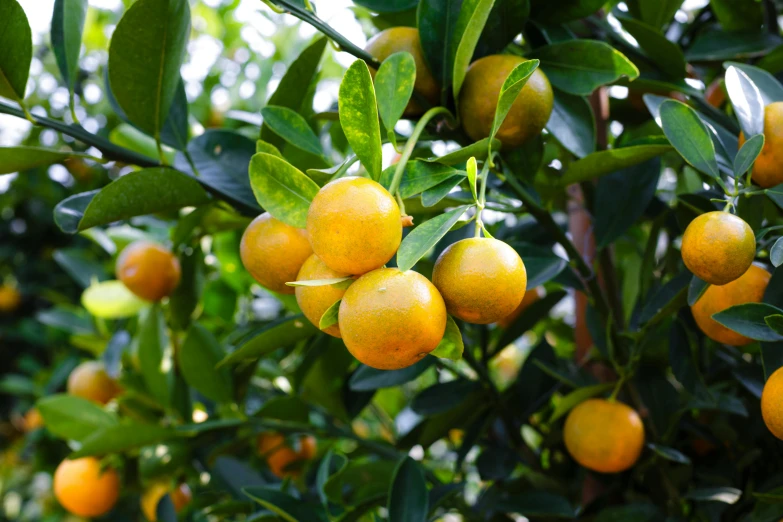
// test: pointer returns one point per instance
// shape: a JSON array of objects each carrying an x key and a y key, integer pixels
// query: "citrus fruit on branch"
[
  {"x": 718, "y": 247},
  {"x": 84, "y": 489},
  {"x": 149, "y": 270},
  {"x": 768, "y": 168},
  {"x": 282, "y": 459},
  {"x": 90, "y": 381},
  {"x": 315, "y": 300}
]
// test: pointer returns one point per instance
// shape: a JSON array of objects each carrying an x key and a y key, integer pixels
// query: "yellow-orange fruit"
[
  {"x": 315, "y": 300},
  {"x": 149, "y": 270},
  {"x": 768, "y": 169},
  {"x": 718, "y": 247},
  {"x": 391, "y": 319},
  {"x": 83, "y": 489},
  {"x": 273, "y": 252},
  {"x": 478, "y": 100},
  {"x": 180, "y": 497},
  {"x": 749, "y": 288},
  {"x": 604, "y": 436},
  {"x": 772, "y": 403},
  {"x": 354, "y": 225},
  {"x": 482, "y": 280},
  {"x": 282, "y": 459},
  {"x": 90, "y": 381},
  {"x": 9, "y": 298}
]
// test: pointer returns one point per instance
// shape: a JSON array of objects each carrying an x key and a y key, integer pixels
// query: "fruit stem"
[
  {"x": 409, "y": 146},
  {"x": 618, "y": 386}
]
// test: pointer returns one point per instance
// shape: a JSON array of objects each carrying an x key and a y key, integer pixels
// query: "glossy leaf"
[
  {"x": 696, "y": 289},
  {"x": 770, "y": 88},
  {"x": 111, "y": 300},
  {"x": 580, "y": 66},
  {"x": 67, "y": 28},
  {"x": 573, "y": 124},
  {"x": 122, "y": 437},
  {"x": 368, "y": 379},
  {"x": 442, "y": 397},
  {"x": 478, "y": 150},
  {"x": 666, "y": 54},
  {"x": 657, "y": 14},
  {"x": 669, "y": 454},
  {"x": 436, "y": 194},
  {"x": 80, "y": 266},
  {"x": 578, "y": 396},
  {"x": 337, "y": 282},
  {"x": 139, "y": 193},
  {"x": 748, "y": 320},
  {"x": 156, "y": 357},
  {"x": 73, "y": 418},
  {"x": 472, "y": 176},
  {"x": 747, "y": 154},
  {"x": 436, "y": 20},
  {"x": 16, "y": 41},
  {"x": 511, "y": 88},
  {"x": 688, "y": 134},
  {"x": 283, "y": 505},
  {"x": 393, "y": 88},
  {"x": 197, "y": 358},
  {"x": 775, "y": 322},
  {"x": 20, "y": 159},
  {"x": 746, "y": 100},
  {"x": 330, "y": 316},
  {"x": 408, "y": 499},
  {"x": 506, "y": 20},
  {"x": 423, "y": 175},
  {"x": 451, "y": 346},
  {"x": 282, "y": 189},
  {"x": 725, "y": 495},
  {"x": 145, "y": 55},
  {"x": 359, "y": 117},
  {"x": 472, "y": 18},
  {"x": 716, "y": 45},
  {"x": 776, "y": 253},
  {"x": 292, "y": 127},
  {"x": 418, "y": 242},
  {"x": 605, "y": 162},
  {"x": 670, "y": 297},
  {"x": 282, "y": 333}
]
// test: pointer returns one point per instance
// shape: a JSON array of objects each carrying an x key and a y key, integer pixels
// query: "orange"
[
  {"x": 604, "y": 435},
  {"x": 149, "y": 270},
  {"x": 354, "y": 225},
  {"x": 315, "y": 300},
  {"x": 84, "y": 489},
  {"x": 399, "y": 39},
  {"x": 718, "y": 247},
  {"x": 531, "y": 296},
  {"x": 9, "y": 298},
  {"x": 481, "y": 279},
  {"x": 768, "y": 169},
  {"x": 747, "y": 289},
  {"x": 478, "y": 100},
  {"x": 772, "y": 403},
  {"x": 391, "y": 319},
  {"x": 273, "y": 252},
  {"x": 180, "y": 497},
  {"x": 90, "y": 381},
  {"x": 33, "y": 420},
  {"x": 282, "y": 459}
]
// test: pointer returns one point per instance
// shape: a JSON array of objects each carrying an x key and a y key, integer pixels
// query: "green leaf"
[
  {"x": 424, "y": 175},
  {"x": 197, "y": 358},
  {"x": 436, "y": 20},
  {"x": 139, "y": 193},
  {"x": 408, "y": 498},
  {"x": 221, "y": 159},
  {"x": 689, "y": 135},
  {"x": 716, "y": 45},
  {"x": 156, "y": 357},
  {"x": 478, "y": 150},
  {"x": 770, "y": 88},
  {"x": 669, "y": 454},
  {"x": 442, "y": 397},
  {"x": 425, "y": 236},
  {"x": 20, "y": 159},
  {"x": 564, "y": 11},
  {"x": 748, "y": 320},
  {"x": 80, "y": 266},
  {"x": 368, "y": 379},
  {"x": 578, "y": 396},
  {"x": 580, "y": 66},
  {"x": 73, "y": 418},
  {"x": 16, "y": 41},
  {"x": 775, "y": 322},
  {"x": 67, "y": 28},
  {"x": 670, "y": 297},
  {"x": 337, "y": 282},
  {"x": 360, "y": 481},
  {"x": 533, "y": 504},
  {"x": 282, "y": 189},
  {"x": 503, "y": 25},
  {"x": 111, "y": 300},
  {"x": 747, "y": 155},
  {"x": 268, "y": 148},
  {"x": 393, "y": 89},
  {"x": 283, "y": 505},
  {"x": 472, "y": 18},
  {"x": 725, "y": 495},
  {"x": 451, "y": 346},
  {"x": 573, "y": 124},
  {"x": 387, "y": 6},
  {"x": 657, "y": 14},
  {"x": 268, "y": 338},
  {"x": 511, "y": 88},
  {"x": 747, "y": 101},
  {"x": 666, "y": 54},
  {"x": 330, "y": 316},
  {"x": 696, "y": 289},
  {"x": 359, "y": 117},
  {"x": 292, "y": 90},
  {"x": 292, "y": 127},
  {"x": 122, "y": 437},
  {"x": 434, "y": 195},
  {"x": 145, "y": 55},
  {"x": 776, "y": 253},
  {"x": 472, "y": 175},
  {"x": 605, "y": 162}
]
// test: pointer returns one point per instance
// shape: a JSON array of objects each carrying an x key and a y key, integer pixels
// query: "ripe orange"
[
  {"x": 478, "y": 100},
  {"x": 531, "y": 296},
  {"x": 9, "y": 298},
  {"x": 180, "y": 497},
  {"x": 718, "y": 247},
  {"x": 354, "y": 225},
  {"x": 90, "y": 381},
  {"x": 603, "y": 435},
  {"x": 391, "y": 319},
  {"x": 149, "y": 270},
  {"x": 482, "y": 280},
  {"x": 83, "y": 489},
  {"x": 282, "y": 459},
  {"x": 32, "y": 420},
  {"x": 273, "y": 252},
  {"x": 749, "y": 288},
  {"x": 399, "y": 39},
  {"x": 772, "y": 403},
  {"x": 768, "y": 169},
  {"x": 315, "y": 300}
]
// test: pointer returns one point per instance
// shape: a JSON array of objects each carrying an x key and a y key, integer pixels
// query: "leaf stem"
[{"x": 482, "y": 199}]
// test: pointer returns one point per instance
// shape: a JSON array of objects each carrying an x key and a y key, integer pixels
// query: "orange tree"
[{"x": 523, "y": 266}]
